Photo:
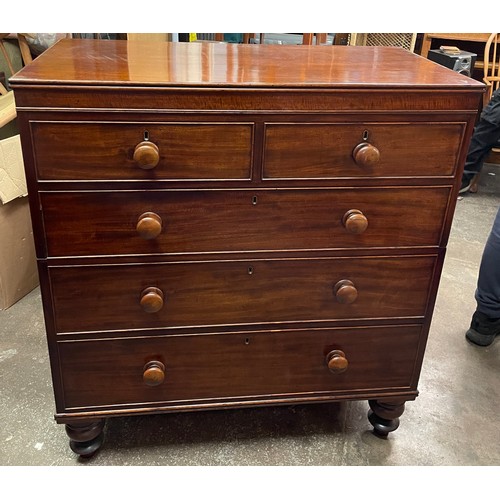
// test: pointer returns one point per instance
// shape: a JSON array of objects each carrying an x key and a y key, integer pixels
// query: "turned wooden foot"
[
  {"x": 384, "y": 416},
  {"x": 86, "y": 437}
]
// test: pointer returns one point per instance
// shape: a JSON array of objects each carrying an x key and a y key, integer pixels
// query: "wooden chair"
[
  {"x": 491, "y": 77},
  {"x": 491, "y": 66},
  {"x": 23, "y": 47}
]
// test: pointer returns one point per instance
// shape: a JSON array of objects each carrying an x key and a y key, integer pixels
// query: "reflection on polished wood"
[{"x": 213, "y": 64}]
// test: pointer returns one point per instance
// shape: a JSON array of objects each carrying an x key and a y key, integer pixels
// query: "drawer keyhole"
[{"x": 254, "y": 200}]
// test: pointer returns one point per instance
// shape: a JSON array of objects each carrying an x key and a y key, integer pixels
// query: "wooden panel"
[
  {"x": 326, "y": 150},
  {"x": 104, "y": 223},
  {"x": 220, "y": 366},
  {"x": 90, "y": 298},
  {"x": 329, "y": 100},
  {"x": 67, "y": 150}
]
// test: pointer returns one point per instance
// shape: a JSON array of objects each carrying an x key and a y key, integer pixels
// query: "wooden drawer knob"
[
  {"x": 149, "y": 225},
  {"x": 355, "y": 221},
  {"x": 154, "y": 373},
  {"x": 345, "y": 292},
  {"x": 151, "y": 299},
  {"x": 336, "y": 361},
  {"x": 146, "y": 155},
  {"x": 366, "y": 155}
]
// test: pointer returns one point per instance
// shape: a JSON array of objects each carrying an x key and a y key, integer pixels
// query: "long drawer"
[
  {"x": 361, "y": 150},
  {"x": 107, "y": 223},
  {"x": 199, "y": 367},
  {"x": 181, "y": 294},
  {"x": 107, "y": 151}
]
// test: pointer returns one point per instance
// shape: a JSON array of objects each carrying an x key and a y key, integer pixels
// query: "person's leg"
[
  {"x": 486, "y": 135},
  {"x": 485, "y": 324}
]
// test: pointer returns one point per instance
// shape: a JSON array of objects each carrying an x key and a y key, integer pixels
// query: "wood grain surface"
[
  {"x": 326, "y": 150},
  {"x": 105, "y": 223},
  {"x": 85, "y": 62},
  {"x": 88, "y": 298},
  {"x": 105, "y": 150},
  {"x": 110, "y": 372}
]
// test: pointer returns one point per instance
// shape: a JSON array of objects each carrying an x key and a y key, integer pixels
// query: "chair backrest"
[{"x": 491, "y": 66}]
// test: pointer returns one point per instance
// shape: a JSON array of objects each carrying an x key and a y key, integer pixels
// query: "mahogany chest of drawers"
[{"x": 223, "y": 225}]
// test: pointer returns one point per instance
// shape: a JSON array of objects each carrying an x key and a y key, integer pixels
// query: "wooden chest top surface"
[{"x": 94, "y": 62}]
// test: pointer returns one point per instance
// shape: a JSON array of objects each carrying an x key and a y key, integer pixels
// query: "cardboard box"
[
  {"x": 18, "y": 268},
  {"x": 12, "y": 177}
]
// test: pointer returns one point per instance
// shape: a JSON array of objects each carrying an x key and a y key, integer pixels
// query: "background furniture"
[
  {"x": 491, "y": 66},
  {"x": 428, "y": 38},
  {"x": 7, "y": 106},
  {"x": 153, "y": 37},
  {"x": 471, "y": 42},
  {"x": 404, "y": 40},
  {"x": 306, "y": 38},
  {"x": 491, "y": 77},
  {"x": 23, "y": 47},
  {"x": 245, "y": 233}
]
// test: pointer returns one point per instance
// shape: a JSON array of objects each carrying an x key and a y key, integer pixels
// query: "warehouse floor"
[{"x": 454, "y": 421}]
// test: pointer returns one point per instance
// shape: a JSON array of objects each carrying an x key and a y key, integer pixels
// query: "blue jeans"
[
  {"x": 486, "y": 135},
  {"x": 488, "y": 285}
]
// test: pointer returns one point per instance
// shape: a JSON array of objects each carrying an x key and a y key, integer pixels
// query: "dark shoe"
[
  {"x": 483, "y": 329},
  {"x": 466, "y": 184}
]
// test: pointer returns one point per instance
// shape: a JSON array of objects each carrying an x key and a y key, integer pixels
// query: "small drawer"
[
  {"x": 121, "y": 151},
  {"x": 180, "y": 222},
  {"x": 312, "y": 151},
  {"x": 204, "y": 368},
  {"x": 184, "y": 294}
]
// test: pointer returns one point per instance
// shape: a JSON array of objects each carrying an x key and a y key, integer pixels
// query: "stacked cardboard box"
[{"x": 18, "y": 270}]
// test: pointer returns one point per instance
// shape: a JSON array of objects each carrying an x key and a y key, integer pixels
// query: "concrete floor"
[{"x": 454, "y": 421}]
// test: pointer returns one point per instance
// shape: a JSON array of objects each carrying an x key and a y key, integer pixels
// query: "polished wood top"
[{"x": 205, "y": 64}]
